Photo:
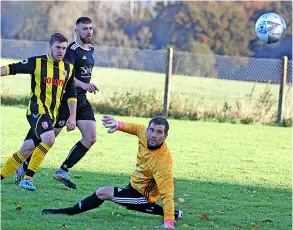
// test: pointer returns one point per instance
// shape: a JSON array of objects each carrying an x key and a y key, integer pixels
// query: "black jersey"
[
  {"x": 83, "y": 61},
  {"x": 48, "y": 81}
]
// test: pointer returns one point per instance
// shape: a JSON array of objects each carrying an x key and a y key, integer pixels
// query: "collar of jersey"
[
  {"x": 50, "y": 59},
  {"x": 90, "y": 45}
]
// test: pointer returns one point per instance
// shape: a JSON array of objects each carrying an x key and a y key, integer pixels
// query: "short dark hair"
[
  {"x": 57, "y": 37},
  {"x": 83, "y": 20},
  {"x": 160, "y": 120}
]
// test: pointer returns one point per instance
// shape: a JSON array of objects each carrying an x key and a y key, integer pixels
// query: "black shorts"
[
  {"x": 128, "y": 197},
  {"x": 84, "y": 111},
  {"x": 40, "y": 123}
]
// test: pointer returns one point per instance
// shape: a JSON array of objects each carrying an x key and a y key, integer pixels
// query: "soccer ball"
[{"x": 270, "y": 28}]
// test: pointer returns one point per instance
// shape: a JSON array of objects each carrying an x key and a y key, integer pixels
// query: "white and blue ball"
[{"x": 270, "y": 28}]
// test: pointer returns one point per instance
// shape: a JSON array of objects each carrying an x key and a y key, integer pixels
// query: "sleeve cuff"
[
  {"x": 72, "y": 99},
  {"x": 7, "y": 69},
  {"x": 120, "y": 126}
]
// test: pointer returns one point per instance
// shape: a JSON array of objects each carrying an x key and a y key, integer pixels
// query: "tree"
[
  {"x": 28, "y": 20},
  {"x": 224, "y": 26}
]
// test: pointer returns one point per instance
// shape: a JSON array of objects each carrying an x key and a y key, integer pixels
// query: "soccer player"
[
  {"x": 50, "y": 76},
  {"x": 151, "y": 180},
  {"x": 81, "y": 54}
]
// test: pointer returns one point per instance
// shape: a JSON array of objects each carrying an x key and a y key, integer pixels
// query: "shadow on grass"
[{"x": 226, "y": 206}]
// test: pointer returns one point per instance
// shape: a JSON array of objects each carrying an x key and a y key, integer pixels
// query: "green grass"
[
  {"x": 237, "y": 175},
  {"x": 209, "y": 92}
]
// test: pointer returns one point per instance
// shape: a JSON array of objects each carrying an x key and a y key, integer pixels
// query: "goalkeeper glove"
[
  {"x": 112, "y": 124},
  {"x": 169, "y": 224}
]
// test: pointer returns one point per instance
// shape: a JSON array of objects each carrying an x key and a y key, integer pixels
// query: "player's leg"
[
  {"x": 43, "y": 129},
  {"x": 11, "y": 165},
  {"x": 26, "y": 148},
  {"x": 91, "y": 202},
  {"x": 87, "y": 126},
  {"x": 29, "y": 145},
  {"x": 152, "y": 208},
  {"x": 61, "y": 175},
  {"x": 133, "y": 200},
  {"x": 127, "y": 197}
]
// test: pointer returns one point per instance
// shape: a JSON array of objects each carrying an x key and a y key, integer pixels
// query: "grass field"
[
  {"x": 207, "y": 91},
  {"x": 239, "y": 176}
]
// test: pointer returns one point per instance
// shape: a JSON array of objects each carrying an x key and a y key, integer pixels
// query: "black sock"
[
  {"x": 84, "y": 205},
  {"x": 26, "y": 162},
  {"x": 76, "y": 153},
  {"x": 176, "y": 214},
  {"x": 150, "y": 208}
]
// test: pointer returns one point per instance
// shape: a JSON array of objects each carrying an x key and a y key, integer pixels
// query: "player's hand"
[
  {"x": 91, "y": 88},
  {"x": 109, "y": 122},
  {"x": 169, "y": 224},
  {"x": 70, "y": 124}
]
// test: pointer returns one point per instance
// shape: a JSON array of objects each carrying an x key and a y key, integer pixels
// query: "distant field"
[{"x": 213, "y": 92}]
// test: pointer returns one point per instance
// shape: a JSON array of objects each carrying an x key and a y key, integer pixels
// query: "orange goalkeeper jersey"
[{"x": 153, "y": 176}]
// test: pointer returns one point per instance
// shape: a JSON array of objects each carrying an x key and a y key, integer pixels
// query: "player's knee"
[
  {"x": 90, "y": 140},
  {"x": 48, "y": 138},
  {"x": 105, "y": 193},
  {"x": 51, "y": 141},
  {"x": 26, "y": 153},
  {"x": 27, "y": 148}
]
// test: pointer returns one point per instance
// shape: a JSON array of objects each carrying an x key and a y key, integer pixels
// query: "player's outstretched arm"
[
  {"x": 165, "y": 183},
  {"x": 111, "y": 124},
  {"x": 26, "y": 66}
]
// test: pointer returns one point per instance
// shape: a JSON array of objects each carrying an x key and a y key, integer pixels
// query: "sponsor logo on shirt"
[{"x": 53, "y": 81}]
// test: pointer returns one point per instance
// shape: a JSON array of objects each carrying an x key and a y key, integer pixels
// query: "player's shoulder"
[
  {"x": 73, "y": 46},
  {"x": 33, "y": 59},
  {"x": 40, "y": 56},
  {"x": 142, "y": 130},
  {"x": 141, "y": 127}
]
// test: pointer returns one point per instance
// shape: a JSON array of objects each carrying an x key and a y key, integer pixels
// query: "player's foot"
[
  {"x": 19, "y": 174},
  {"x": 49, "y": 211},
  {"x": 27, "y": 183},
  {"x": 63, "y": 177},
  {"x": 178, "y": 214}
]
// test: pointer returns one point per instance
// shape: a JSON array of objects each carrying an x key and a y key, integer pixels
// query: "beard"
[
  {"x": 86, "y": 40},
  {"x": 154, "y": 147}
]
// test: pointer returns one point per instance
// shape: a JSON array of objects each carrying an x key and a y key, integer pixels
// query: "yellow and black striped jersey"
[
  {"x": 153, "y": 176},
  {"x": 49, "y": 80}
]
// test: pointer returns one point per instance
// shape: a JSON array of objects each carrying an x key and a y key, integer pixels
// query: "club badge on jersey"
[{"x": 45, "y": 124}]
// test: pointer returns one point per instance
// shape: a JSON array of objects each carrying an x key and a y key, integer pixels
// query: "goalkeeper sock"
[
  {"x": 38, "y": 156},
  {"x": 89, "y": 203},
  {"x": 152, "y": 208},
  {"x": 75, "y": 155},
  {"x": 12, "y": 164}
]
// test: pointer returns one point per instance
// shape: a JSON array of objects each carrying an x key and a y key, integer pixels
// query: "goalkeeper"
[{"x": 151, "y": 180}]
